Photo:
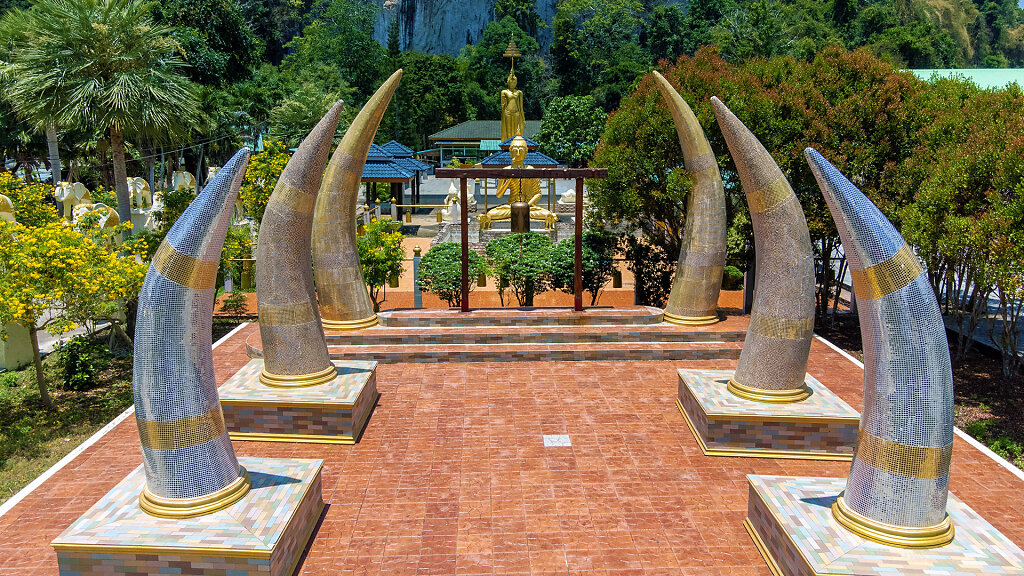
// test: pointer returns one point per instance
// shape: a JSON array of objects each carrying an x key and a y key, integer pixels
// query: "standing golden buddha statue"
[
  {"x": 519, "y": 190},
  {"x": 513, "y": 117}
]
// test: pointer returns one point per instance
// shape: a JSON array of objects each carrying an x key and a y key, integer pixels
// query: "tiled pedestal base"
[
  {"x": 335, "y": 412},
  {"x": 790, "y": 520},
  {"x": 263, "y": 533},
  {"x": 821, "y": 427}
]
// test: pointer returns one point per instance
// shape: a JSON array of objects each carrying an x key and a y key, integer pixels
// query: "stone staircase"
[
  {"x": 532, "y": 335},
  {"x": 535, "y": 335}
]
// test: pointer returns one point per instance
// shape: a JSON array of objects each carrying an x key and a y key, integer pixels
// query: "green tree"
[
  {"x": 117, "y": 71},
  {"x": 850, "y": 105},
  {"x": 432, "y": 96},
  {"x": 758, "y": 29},
  {"x": 261, "y": 175},
  {"x": 598, "y": 262},
  {"x": 340, "y": 35},
  {"x": 665, "y": 32},
  {"x": 381, "y": 257},
  {"x": 315, "y": 91},
  {"x": 524, "y": 12},
  {"x": 521, "y": 262},
  {"x": 571, "y": 129},
  {"x": 53, "y": 277},
  {"x": 32, "y": 205},
  {"x": 601, "y": 39},
  {"x": 219, "y": 44},
  {"x": 441, "y": 271}
]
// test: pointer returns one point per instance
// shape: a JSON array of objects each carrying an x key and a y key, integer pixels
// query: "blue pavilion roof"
[
  {"x": 397, "y": 149},
  {"x": 503, "y": 158},
  {"x": 530, "y": 143},
  {"x": 389, "y": 170},
  {"x": 411, "y": 164},
  {"x": 378, "y": 154}
]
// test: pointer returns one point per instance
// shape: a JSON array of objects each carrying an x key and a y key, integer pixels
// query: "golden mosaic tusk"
[
  {"x": 693, "y": 300},
  {"x": 344, "y": 300},
  {"x": 294, "y": 346}
]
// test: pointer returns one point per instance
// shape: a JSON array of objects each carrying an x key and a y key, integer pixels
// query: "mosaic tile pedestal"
[
  {"x": 822, "y": 427},
  {"x": 263, "y": 533},
  {"x": 790, "y": 521},
  {"x": 335, "y": 412}
]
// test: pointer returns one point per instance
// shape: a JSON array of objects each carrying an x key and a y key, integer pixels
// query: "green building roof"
[
  {"x": 986, "y": 78},
  {"x": 476, "y": 130}
]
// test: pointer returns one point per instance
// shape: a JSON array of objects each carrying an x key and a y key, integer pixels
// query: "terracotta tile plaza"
[{"x": 454, "y": 475}]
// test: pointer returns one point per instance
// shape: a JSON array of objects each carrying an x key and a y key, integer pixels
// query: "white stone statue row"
[{"x": 78, "y": 202}]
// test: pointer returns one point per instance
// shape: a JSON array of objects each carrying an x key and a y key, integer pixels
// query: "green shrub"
[
  {"x": 236, "y": 304},
  {"x": 1007, "y": 448},
  {"x": 652, "y": 270},
  {"x": 80, "y": 361},
  {"x": 441, "y": 271},
  {"x": 522, "y": 263},
  {"x": 732, "y": 278},
  {"x": 598, "y": 262}
]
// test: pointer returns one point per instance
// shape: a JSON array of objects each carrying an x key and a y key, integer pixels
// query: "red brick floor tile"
[{"x": 452, "y": 476}]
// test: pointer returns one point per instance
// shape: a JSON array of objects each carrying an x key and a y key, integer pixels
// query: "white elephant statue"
[
  {"x": 71, "y": 195},
  {"x": 454, "y": 196},
  {"x": 108, "y": 216},
  {"x": 6, "y": 209},
  {"x": 181, "y": 180},
  {"x": 140, "y": 193},
  {"x": 568, "y": 197}
]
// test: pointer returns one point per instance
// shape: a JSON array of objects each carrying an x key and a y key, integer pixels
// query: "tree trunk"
[
  {"x": 44, "y": 392},
  {"x": 51, "y": 145},
  {"x": 199, "y": 171},
  {"x": 124, "y": 201}
]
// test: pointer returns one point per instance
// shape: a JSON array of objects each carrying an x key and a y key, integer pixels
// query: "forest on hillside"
[{"x": 270, "y": 67}]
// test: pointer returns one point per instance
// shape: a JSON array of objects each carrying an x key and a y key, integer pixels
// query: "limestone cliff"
[{"x": 445, "y": 26}]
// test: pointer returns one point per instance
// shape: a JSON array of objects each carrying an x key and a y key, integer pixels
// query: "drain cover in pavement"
[{"x": 557, "y": 440}]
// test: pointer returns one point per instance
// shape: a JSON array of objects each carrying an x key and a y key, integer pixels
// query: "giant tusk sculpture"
[
  {"x": 899, "y": 480},
  {"x": 769, "y": 406},
  {"x": 693, "y": 300},
  {"x": 896, "y": 515},
  {"x": 190, "y": 465},
  {"x": 773, "y": 362},
  {"x": 193, "y": 506},
  {"x": 344, "y": 300},
  {"x": 294, "y": 348},
  {"x": 291, "y": 390}
]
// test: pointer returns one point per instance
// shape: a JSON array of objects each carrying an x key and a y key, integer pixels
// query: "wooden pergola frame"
[{"x": 578, "y": 174}]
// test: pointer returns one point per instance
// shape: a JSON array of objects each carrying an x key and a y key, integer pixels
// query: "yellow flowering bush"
[
  {"x": 380, "y": 256},
  {"x": 32, "y": 202},
  {"x": 55, "y": 277},
  {"x": 261, "y": 176}
]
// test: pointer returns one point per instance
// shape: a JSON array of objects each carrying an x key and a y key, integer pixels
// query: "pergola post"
[
  {"x": 577, "y": 289},
  {"x": 464, "y": 233}
]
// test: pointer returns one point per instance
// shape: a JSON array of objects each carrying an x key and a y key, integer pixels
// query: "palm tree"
[{"x": 103, "y": 64}]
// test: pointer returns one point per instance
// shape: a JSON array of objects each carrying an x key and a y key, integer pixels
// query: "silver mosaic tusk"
[
  {"x": 773, "y": 363},
  {"x": 899, "y": 478},
  {"x": 189, "y": 461},
  {"x": 294, "y": 347}
]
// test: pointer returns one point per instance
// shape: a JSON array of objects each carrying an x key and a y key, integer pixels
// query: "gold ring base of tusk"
[
  {"x": 900, "y": 536},
  {"x": 770, "y": 396},
  {"x": 350, "y": 324},
  {"x": 300, "y": 380},
  {"x": 691, "y": 320},
  {"x": 162, "y": 507}
]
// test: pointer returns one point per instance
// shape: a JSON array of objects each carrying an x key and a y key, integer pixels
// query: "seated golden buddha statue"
[{"x": 519, "y": 190}]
